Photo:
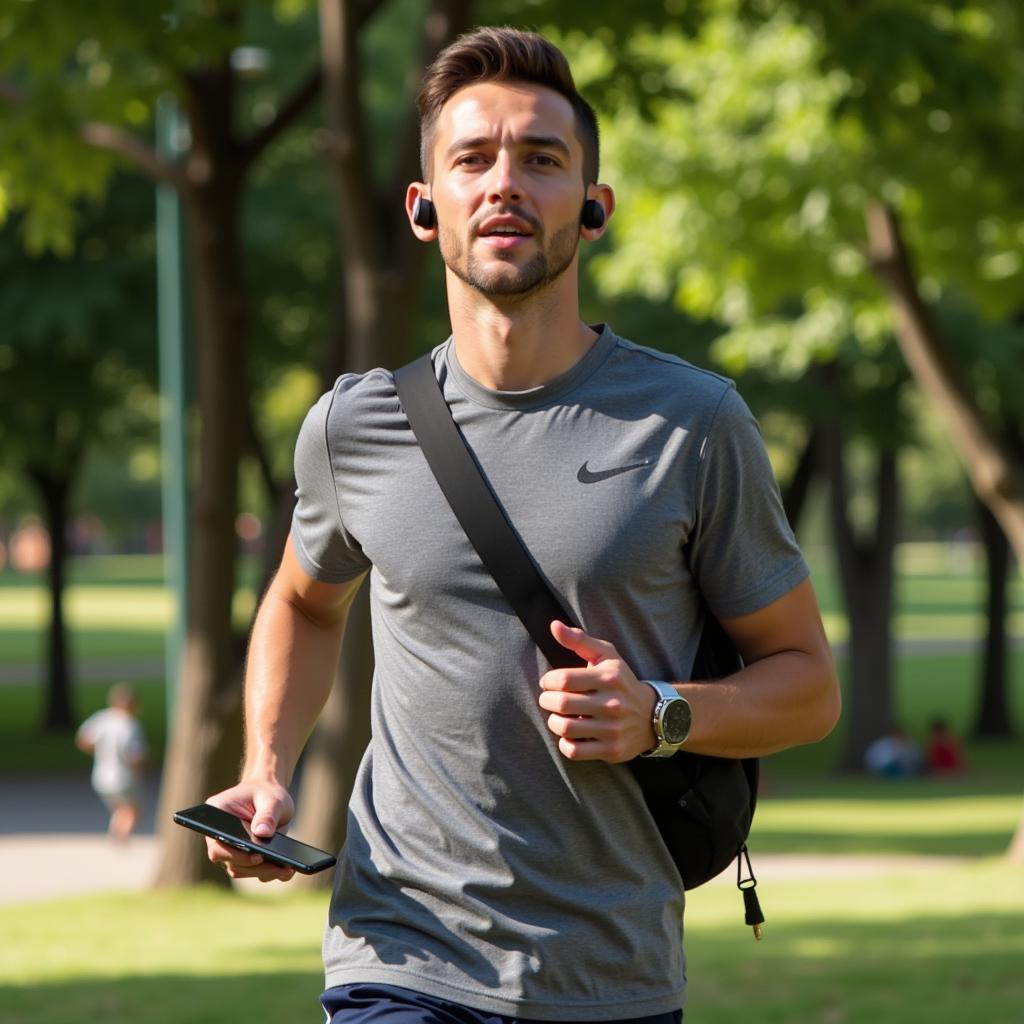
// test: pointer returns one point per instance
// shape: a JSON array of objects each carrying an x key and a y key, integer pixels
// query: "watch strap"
[{"x": 665, "y": 691}]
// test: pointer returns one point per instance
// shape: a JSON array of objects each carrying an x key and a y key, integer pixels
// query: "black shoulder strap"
[
  {"x": 496, "y": 542},
  {"x": 478, "y": 511}
]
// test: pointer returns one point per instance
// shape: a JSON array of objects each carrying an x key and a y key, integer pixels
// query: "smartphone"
[{"x": 279, "y": 848}]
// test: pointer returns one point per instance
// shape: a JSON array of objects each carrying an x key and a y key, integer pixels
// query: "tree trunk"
[
  {"x": 206, "y": 742},
  {"x": 794, "y": 498},
  {"x": 996, "y": 474},
  {"x": 866, "y": 576},
  {"x": 993, "y": 716},
  {"x": 382, "y": 274},
  {"x": 55, "y": 488},
  {"x": 339, "y": 741}
]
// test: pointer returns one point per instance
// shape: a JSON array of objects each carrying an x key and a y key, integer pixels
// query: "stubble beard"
[{"x": 549, "y": 263}]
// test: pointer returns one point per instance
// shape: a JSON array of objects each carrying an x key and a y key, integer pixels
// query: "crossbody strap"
[{"x": 477, "y": 509}]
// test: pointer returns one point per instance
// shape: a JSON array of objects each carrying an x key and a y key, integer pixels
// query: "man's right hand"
[{"x": 267, "y": 807}]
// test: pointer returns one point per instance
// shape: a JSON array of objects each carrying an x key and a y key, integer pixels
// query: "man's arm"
[
  {"x": 787, "y": 693},
  {"x": 293, "y": 653}
]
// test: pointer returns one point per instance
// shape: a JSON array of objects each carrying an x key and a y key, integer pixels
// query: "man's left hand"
[{"x": 601, "y": 712}]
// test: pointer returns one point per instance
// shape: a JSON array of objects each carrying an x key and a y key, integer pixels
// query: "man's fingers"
[
  {"x": 591, "y": 750},
  {"x": 222, "y": 853},
  {"x": 579, "y": 728},
  {"x": 590, "y": 703},
  {"x": 588, "y": 647},
  {"x": 265, "y": 872}
]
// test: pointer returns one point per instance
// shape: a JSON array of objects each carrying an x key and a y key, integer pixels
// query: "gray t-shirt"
[{"x": 481, "y": 865}]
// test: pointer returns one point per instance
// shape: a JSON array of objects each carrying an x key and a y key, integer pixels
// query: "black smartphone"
[{"x": 279, "y": 848}]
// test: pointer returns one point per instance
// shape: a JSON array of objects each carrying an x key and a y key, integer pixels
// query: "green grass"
[
  {"x": 940, "y": 596},
  {"x": 162, "y": 958},
  {"x": 920, "y": 817},
  {"x": 936, "y": 948},
  {"x": 118, "y": 612}
]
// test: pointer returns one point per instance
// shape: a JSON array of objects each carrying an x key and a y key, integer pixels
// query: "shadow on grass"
[
  {"x": 168, "y": 999},
  {"x": 946, "y": 969},
  {"x": 943, "y": 970}
]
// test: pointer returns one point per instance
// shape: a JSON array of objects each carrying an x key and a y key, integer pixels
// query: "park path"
[{"x": 53, "y": 845}]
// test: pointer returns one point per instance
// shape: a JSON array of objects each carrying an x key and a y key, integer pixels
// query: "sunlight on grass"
[
  {"x": 898, "y": 947},
  {"x": 924, "y": 817},
  {"x": 133, "y": 607},
  {"x": 908, "y": 948},
  {"x": 250, "y": 934}
]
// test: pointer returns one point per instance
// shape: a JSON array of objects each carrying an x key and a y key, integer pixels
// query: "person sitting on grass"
[
  {"x": 893, "y": 756},
  {"x": 114, "y": 738},
  {"x": 944, "y": 754}
]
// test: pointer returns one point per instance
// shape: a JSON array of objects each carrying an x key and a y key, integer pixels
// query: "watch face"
[{"x": 675, "y": 723}]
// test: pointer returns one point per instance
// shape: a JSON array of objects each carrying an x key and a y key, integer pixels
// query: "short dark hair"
[{"x": 503, "y": 55}]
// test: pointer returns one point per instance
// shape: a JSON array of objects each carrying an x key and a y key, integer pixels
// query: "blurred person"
[
  {"x": 114, "y": 738},
  {"x": 501, "y": 864},
  {"x": 944, "y": 753},
  {"x": 893, "y": 756}
]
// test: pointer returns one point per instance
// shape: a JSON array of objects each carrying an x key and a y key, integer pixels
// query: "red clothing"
[{"x": 944, "y": 755}]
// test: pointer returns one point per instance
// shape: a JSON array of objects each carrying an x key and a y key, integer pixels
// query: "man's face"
[{"x": 508, "y": 187}]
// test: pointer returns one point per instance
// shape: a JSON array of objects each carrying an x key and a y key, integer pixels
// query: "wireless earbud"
[
  {"x": 424, "y": 214},
  {"x": 592, "y": 216}
]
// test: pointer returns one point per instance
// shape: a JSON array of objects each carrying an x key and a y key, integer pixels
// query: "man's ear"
[
  {"x": 605, "y": 198},
  {"x": 420, "y": 211}
]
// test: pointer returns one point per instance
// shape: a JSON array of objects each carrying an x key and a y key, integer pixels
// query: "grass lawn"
[
  {"x": 118, "y": 610},
  {"x": 939, "y": 948},
  {"x": 925, "y": 685}
]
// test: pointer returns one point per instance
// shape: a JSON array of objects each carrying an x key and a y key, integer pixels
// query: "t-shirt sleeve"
[
  {"x": 743, "y": 553},
  {"x": 323, "y": 546},
  {"x": 87, "y": 730}
]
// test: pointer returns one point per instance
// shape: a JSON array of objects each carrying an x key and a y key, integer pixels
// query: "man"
[{"x": 500, "y": 862}]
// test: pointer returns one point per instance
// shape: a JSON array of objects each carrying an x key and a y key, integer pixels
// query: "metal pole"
[{"x": 173, "y": 399}]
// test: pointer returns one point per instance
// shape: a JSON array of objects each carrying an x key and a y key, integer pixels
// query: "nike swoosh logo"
[{"x": 589, "y": 476}]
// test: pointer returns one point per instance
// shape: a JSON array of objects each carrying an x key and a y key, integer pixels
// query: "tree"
[
  {"x": 78, "y": 92},
  {"x": 774, "y": 132},
  {"x": 703, "y": 144},
  {"x": 78, "y": 341},
  {"x": 80, "y": 112}
]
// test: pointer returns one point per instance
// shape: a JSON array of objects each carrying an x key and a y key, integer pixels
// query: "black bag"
[{"x": 703, "y": 806}]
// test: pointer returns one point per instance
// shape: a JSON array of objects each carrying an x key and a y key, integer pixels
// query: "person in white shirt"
[{"x": 114, "y": 738}]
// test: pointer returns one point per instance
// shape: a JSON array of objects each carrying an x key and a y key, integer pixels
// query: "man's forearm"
[
  {"x": 290, "y": 671},
  {"x": 784, "y": 700}
]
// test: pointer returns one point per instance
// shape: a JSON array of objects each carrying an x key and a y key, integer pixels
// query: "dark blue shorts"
[{"x": 372, "y": 1004}]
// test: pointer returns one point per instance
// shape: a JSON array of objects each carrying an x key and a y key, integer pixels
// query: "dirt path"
[{"x": 53, "y": 845}]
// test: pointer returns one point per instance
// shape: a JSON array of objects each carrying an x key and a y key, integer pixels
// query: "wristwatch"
[{"x": 671, "y": 719}]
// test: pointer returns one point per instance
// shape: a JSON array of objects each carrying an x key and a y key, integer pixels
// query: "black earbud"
[
  {"x": 424, "y": 214},
  {"x": 592, "y": 216}
]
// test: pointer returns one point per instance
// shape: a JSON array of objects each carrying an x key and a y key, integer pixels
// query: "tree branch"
[
  {"x": 290, "y": 111},
  {"x": 996, "y": 475},
  {"x": 345, "y": 137},
  {"x": 115, "y": 140},
  {"x": 141, "y": 154}
]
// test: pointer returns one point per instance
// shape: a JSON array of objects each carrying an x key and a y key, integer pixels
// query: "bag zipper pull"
[{"x": 747, "y": 884}]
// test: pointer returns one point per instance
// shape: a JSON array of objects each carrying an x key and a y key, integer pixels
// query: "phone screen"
[{"x": 281, "y": 849}]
